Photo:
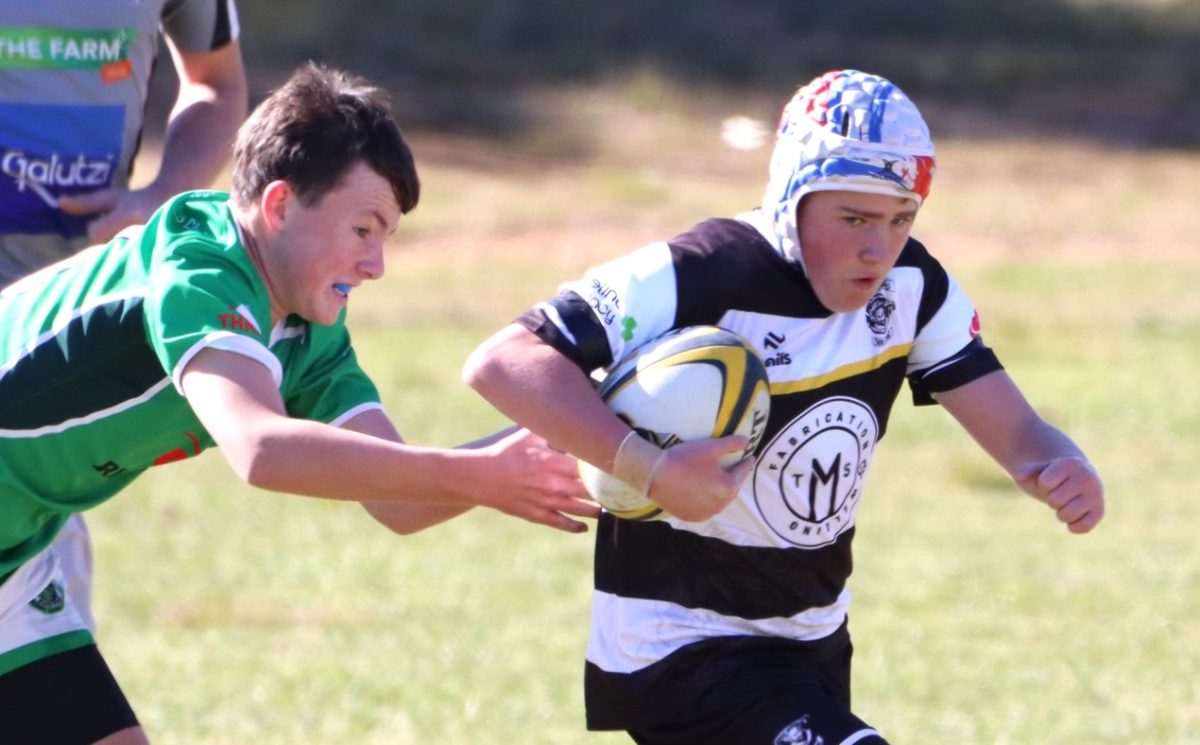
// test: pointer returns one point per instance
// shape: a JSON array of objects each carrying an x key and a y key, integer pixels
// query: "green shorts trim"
[{"x": 42, "y": 648}]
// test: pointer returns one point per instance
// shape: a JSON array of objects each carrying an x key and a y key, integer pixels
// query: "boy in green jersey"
[{"x": 221, "y": 323}]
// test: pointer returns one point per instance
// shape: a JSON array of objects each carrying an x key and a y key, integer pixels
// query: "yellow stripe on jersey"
[{"x": 843, "y": 372}]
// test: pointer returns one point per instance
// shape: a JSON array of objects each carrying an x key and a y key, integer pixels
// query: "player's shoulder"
[
  {"x": 713, "y": 248},
  {"x": 204, "y": 204},
  {"x": 922, "y": 269},
  {"x": 719, "y": 235},
  {"x": 921, "y": 277},
  {"x": 196, "y": 220},
  {"x": 727, "y": 247},
  {"x": 195, "y": 235}
]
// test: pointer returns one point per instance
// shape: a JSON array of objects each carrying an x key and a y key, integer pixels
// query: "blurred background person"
[{"x": 74, "y": 89}]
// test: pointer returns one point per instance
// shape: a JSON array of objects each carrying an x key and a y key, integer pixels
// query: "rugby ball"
[{"x": 691, "y": 383}]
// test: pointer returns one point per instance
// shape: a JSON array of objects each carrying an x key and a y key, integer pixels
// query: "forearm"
[
  {"x": 997, "y": 416},
  {"x": 535, "y": 386},
  {"x": 197, "y": 142},
  {"x": 209, "y": 108},
  {"x": 1040, "y": 442},
  {"x": 313, "y": 459},
  {"x": 409, "y": 518},
  {"x": 1041, "y": 459},
  {"x": 406, "y": 518}
]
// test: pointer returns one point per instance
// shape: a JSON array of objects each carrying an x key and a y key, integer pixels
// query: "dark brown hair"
[{"x": 313, "y": 129}]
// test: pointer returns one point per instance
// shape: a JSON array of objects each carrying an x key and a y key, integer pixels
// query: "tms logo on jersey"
[
  {"x": 47, "y": 151},
  {"x": 808, "y": 481}
]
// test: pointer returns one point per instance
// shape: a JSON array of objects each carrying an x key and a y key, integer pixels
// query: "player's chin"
[
  {"x": 319, "y": 318},
  {"x": 326, "y": 313},
  {"x": 849, "y": 301}
]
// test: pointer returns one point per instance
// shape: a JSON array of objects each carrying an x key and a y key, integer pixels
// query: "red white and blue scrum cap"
[{"x": 845, "y": 131}]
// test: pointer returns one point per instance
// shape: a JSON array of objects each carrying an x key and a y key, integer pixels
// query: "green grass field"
[{"x": 236, "y": 616}]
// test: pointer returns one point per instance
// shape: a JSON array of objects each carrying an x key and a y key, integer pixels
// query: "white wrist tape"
[{"x": 636, "y": 461}]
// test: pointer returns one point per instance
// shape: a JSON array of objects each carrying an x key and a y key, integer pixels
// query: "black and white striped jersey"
[{"x": 775, "y": 562}]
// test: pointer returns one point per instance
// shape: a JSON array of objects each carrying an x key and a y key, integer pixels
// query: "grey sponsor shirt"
[{"x": 74, "y": 78}]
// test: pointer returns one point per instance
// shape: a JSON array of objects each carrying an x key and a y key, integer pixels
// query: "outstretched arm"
[
  {"x": 404, "y": 518},
  {"x": 1039, "y": 457},
  {"x": 238, "y": 403}
]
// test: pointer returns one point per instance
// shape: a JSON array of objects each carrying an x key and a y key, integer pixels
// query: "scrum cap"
[{"x": 845, "y": 131}]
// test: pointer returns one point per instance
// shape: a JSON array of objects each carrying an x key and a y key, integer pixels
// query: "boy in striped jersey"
[{"x": 726, "y": 623}]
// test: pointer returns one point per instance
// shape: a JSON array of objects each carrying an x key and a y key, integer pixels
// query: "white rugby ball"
[{"x": 691, "y": 383}]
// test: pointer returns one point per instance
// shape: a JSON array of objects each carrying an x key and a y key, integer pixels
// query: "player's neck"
[{"x": 251, "y": 230}]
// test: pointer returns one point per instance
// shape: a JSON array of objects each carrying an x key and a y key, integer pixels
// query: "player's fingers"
[
  {"x": 87, "y": 203},
  {"x": 1060, "y": 497},
  {"x": 573, "y": 500},
  {"x": 1082, "y": 513},
  {"x": 563, "y": 467},
  {"x": 1058, "y": 472},
  {"x": 1087, "y": 521},
  {"x": 103, "y": 228},
  {"x": 1070, "y": 484},
  {"x": 1072, "y": 509},
  {"x": 580, "y": 508},
  {"x": 1026, "y": 477},
  {"x": 539, "y": 513},
  {"x": 742, "y": 471},
  {"x": 568, "y": 497},
  {"x": 559, "y": 521},
  {"x": 564, "y": 482},
  {"x": 1047, "y": 482}
]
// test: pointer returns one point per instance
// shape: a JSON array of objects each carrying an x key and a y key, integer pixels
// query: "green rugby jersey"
[{"x": 91, "y": 350}]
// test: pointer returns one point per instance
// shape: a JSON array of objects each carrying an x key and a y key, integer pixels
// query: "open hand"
[
  {"x": 115, "y": 209},
  {"x": 535, "y": 482}
]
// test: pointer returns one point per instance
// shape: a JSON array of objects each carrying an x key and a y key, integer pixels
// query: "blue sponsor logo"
[{"x": 47, "y": 151}]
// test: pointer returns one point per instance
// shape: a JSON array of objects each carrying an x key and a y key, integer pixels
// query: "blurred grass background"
[
  {"x": 1120, "y": 68},
  {"x": 551, "y": 136}
]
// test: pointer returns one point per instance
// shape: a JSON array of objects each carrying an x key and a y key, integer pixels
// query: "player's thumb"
[
  {"x": 741, "y": 471},
  {"x": 731, "y": 445},
  {"x": 1028, "y": 477}
]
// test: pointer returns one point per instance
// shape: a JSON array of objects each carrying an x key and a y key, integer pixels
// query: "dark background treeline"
[{"x": 1126, "y": 72}]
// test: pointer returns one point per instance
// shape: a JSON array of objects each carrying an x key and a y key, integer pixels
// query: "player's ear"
[{"x": 276, "y": 201}]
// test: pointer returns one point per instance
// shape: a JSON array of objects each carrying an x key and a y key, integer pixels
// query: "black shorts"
[
  {"x": 66, "y": 699},
  {"x": 754, "y": 691}
]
